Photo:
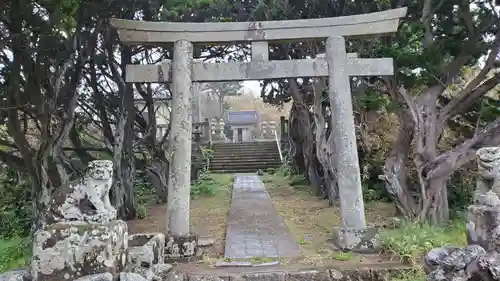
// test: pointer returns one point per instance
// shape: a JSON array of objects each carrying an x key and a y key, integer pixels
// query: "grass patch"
[
  {"x": 210, "y": 184},
  {"x": 210, "y": 210},
  {"x": 411, "y": 241},
  {"x": 311, "y": 220},
  {"x": 15, "y": 253},
  {"x": 343, "y": 256},
  {"x": 254, "y": 260}
]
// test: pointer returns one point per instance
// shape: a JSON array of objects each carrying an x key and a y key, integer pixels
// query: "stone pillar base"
[
  {"x": 181, "y": 248},
  {"x": 363, "y": 240},
  {"x": 483, "y": 227}
]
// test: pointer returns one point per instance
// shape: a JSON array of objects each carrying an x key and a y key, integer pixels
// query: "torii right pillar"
[{"x": 353, "y": 234}]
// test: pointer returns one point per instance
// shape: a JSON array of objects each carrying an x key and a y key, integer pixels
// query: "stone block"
[
  {"x": 146, "y": 249},
  {"x": 181, "y": 248},
  {"x": 483, "y": 227},
  {"x": 69, "y": 250},
  {"x": 16, "y": 275},
  {"x": 97, "y": 277},
  {"x": 364, "y": 240},
  {"x": 146, "y": 255},
  {"x": 131, "y": 276},
  {"x": 310, "y": 275}
]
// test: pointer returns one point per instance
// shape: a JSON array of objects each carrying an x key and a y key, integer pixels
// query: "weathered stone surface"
[
  {"x": 233, "y": 264},
  {"x": 176, "y": 276},
  {"x": 208, "y": 278},
  {"x": 364, "y": 240},
  {"x": 262, "y": 276},
  {"x": 255, "y": 70},
  {"x": 310, "y": 275},
  {"x": 360, "y": 274},
  {"x": 483, "y": 227},
  {"x": 264, "y": 264},
  {"x": 16, "y": 275},
  {"x": 352, "y": 210},
  {"x": 180, "y": 144},
  {"x": 488, "y": 183},
  {"x": 146, "y": 249},
  {"x": 459, "y": 264},
  {"x": 85, "y": 199},
  {"x": 64, "y": 251},
  {"x": 146, "y": 255},
  {"x": 139, "y": 32},
  {"x": 131, "y": 276},
  {"x": 182, "y": 247},
  {"x": 205, "y": 242},
  {"x": 481, "y": 259},
  {"x": 161, "y": 271},
  {"x": 97, "y": 277}
]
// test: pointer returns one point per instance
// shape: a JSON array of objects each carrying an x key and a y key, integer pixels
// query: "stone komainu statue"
[
  {"x": 488, "y": 183},
  {"x": 85, "y": 199}
]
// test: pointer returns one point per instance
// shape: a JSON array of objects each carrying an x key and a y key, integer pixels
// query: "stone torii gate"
[{"x": 337, "y": 65}]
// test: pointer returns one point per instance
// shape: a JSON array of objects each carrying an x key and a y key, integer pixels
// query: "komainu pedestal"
[
  {"x": 66, "y": 251},
  {"x": 81, "y": 236},
  {"x": 481, "y": 259}
]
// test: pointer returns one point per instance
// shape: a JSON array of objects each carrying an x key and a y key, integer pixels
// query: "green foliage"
[
  {"x": 460, "y": 192},
  {"x": 208, "y": 184},
  {"x": 375, "y": 192},
  {"x": 15, "y": 253},
  {"x": 285, "y": 171},
  {"x": 372, "y": 100},
  {"x": 224, "y": 89},
  {"x": 142, "y": 211},
  {"x": 144, "y": 192},
  {"x": 411, "y": 241},
  {"x": 296, "y": 180},
  {"x": 15, "y": 206},
  {"x": 342, "y": 256},
  {"x": 205, "y": 156},
  {"x": 415, "y": 274}
]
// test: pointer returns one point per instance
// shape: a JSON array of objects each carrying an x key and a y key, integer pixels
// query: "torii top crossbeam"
[{"x": 141, "y": 32}]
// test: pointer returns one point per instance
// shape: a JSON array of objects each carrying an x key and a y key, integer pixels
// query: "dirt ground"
[{"x": 310, "y": 219}]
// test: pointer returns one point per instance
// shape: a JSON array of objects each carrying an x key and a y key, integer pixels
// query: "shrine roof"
[{"x": 242, "y": 117}]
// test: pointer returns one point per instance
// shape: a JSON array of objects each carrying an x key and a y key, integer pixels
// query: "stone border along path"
[{"x": 254, "y": 228}]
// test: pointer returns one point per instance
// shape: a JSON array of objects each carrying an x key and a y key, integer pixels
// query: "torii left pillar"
[{"x": 181, "y": 243}]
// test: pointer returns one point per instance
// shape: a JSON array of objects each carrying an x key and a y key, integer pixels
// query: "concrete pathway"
[{"x": 254, "y": 227}]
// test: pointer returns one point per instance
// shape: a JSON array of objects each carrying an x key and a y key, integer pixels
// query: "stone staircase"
[{"x": 244, "y": 157}]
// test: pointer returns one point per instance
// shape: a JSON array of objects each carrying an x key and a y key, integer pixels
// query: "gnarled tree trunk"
[{"x": 324, "y": 147}]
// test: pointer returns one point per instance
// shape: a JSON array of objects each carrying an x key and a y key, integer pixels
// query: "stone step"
[
  {"x": 230, "y": 170},
  {"x": 247, "y": 152},
  {"x": 244, "y": 166},
  {"x": 249, "y": 157},
  {"x": 249, "y": 160},
  {"x": 244, "y": 147},
  {"x": 239, "y": 145}
]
